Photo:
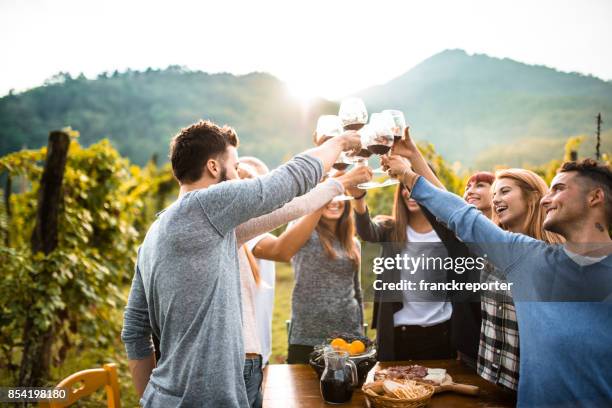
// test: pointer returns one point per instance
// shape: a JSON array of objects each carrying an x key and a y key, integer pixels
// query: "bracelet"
[{"x": 361, "y": 196}]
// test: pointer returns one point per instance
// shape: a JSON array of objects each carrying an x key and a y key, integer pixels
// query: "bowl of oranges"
[{"x": 361, "y": 351}]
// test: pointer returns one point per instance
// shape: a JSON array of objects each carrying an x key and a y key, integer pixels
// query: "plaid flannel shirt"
[{"x": 498, "y": 353}]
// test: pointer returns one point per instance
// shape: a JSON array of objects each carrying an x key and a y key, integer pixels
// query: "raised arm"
[
  {"x": 482, "y": 236},
  {"x": 229, "y": 204},
  {"x": 282, "y": 248},
  {"x": 301, "y": 206},
  {"x": 136, "y": 335},
  {"x": 408, "y": 149}
]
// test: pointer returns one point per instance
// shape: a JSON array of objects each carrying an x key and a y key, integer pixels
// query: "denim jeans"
[{"x": 253, "y": 376}]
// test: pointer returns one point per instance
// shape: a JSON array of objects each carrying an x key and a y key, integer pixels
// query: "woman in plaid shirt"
[{"x": 516, "y": 207}]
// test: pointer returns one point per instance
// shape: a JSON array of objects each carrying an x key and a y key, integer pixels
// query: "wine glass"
[
  {"x": 399, "y": 123},
  {"x": 353, "y": 113},
  {"x": 329, "y": 126},
  {"x": 354, "y": 116},
  {"x": 377, "y": 137},
  {"x": 385, "y": 121}
]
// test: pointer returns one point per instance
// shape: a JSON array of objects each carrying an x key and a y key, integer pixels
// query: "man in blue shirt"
[{"x": 564, "y": 292}]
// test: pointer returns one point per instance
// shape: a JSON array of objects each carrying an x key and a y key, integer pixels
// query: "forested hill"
[
  {"x": 476, "y": 109},
  {"x": 484, "y": 110},
  {"x": 140, "y": 111}
]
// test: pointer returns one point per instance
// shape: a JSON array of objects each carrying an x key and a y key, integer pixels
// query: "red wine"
[
  {"x": 336, "y": 391},
  {"x": 340, "y": 166},
  {"x": 354, "y": 126},
  {"x": 379, "y": 149},
  {"x": 364, "y": 153}
]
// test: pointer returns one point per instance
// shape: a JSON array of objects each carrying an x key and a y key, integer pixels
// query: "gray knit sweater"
[
  {"x": 327, "y": 295},
  {"x": 186, "y": 288}
]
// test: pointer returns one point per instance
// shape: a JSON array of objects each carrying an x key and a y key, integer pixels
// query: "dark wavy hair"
[
  {"x": 594, "y": 175},
  {"x": 193, "y": 146}
]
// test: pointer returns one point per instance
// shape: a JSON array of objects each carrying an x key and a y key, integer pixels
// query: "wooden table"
[{"x": 297, "y": 386}]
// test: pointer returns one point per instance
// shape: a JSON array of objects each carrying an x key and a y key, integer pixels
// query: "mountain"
[
  {"x": 478, "y": 109},
  {"x": 140, "y": 111}
]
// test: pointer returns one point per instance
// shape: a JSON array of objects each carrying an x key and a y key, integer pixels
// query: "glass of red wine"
[
  {"x": 353, "y": 113},
  {"x": 398, "y": 127},
  {"x": 399, "y": 123},
  {"x": 329, "y": 126},
  {"x": 354, "y": 116},
  {"x": 377, "y": 138}
]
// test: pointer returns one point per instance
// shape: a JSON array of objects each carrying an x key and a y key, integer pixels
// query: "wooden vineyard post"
[
  {"x": 598, "y": 146},
  {"x": 36, "y": 357}
]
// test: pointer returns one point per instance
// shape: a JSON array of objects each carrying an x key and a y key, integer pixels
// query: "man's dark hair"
[
  {"x": 193, "y": 146},
  {"x": 595, "y": 175}
]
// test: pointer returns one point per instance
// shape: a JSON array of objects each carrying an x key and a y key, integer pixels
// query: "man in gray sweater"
[{"x": 186, "y": 286}]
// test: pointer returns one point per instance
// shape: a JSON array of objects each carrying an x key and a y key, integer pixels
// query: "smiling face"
[
  {"x": 509, "y": 204},
  {"x": 565, "y": 203},
  {"x": 333, "y": 210},
  {"x": 479, "y": 195}
]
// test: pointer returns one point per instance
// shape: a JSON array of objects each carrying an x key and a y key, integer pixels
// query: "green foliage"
[
  {"x": 106, "y": 206},
  {"x": 140, "y": 111}
]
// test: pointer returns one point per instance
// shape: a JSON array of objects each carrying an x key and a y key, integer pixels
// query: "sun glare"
[{"x": 303, "y": 91}]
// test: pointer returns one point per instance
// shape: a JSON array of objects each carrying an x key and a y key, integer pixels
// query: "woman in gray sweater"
[{"x": 327, "y": 293}]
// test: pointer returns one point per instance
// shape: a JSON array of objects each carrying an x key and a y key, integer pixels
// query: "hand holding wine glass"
[
  {"x": 400, "y": 168},
  {"x": 377, "y": 138},
  {"x": 405, "y": 146},
  {"x": 351, "y": 142},
  {"x": 330, "y": 127},
  {"x": 355, "y": 176}
]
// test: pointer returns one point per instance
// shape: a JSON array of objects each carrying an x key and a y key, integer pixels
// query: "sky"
[{"x": 324, "y": 48}]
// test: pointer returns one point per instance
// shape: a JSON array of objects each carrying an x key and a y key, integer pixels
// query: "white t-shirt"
[
  {"x": 264, "y": 300},
  {"x": 582, "y": 260},
  {"x": 421, "y": 313}
]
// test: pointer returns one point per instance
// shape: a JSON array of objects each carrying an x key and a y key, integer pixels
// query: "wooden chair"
[{"x": 91, "y": 380}]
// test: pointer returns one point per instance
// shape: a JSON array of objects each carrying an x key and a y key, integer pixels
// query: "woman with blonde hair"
[{"x": 525, "y": 214}]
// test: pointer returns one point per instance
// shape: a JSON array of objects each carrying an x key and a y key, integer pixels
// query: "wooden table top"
[{"x": 297, "y": 386}]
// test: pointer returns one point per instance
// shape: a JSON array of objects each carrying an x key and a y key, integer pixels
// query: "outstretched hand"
[
  {"x": 399, "y": 167},
  {"x": 357, "y": 175},
  {"x": 352, "y": 141},
  {"x": 405, "y": 146}
]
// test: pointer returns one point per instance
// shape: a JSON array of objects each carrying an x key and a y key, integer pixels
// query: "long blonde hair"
[
  {"x": 533, "y": 188},
  {"x": 344, "y": 233}
]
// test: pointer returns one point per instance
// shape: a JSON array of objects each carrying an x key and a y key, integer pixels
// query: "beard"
[
  {"x": 553, "y": 226},
  {"x": 222, "y": 175}
]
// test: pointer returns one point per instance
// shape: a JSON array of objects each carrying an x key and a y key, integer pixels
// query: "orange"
[
  {"x": 339, "y": 344},
  {"x": 356, "y": 347}
]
